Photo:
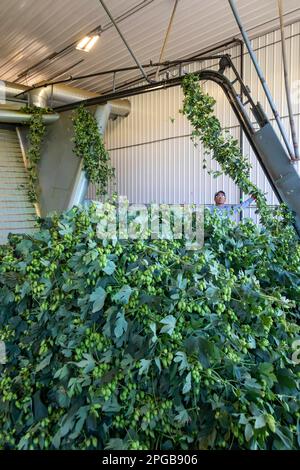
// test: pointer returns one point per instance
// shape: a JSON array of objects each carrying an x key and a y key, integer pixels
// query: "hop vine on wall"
[
  {"x": 36, "y": 135},
  {"x": 89, "y": 145}
]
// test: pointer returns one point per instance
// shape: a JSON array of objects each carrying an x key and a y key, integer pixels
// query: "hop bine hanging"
[
  {"x": 198, "y": 107},
  {"x": 37, "y": 130},
  {"x": 89, "y": 145}
]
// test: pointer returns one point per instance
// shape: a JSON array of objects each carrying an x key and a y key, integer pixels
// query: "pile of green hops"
[{"x": 144, "y": 344}]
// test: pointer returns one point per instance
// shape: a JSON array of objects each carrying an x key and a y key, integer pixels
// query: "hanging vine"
[
  {"x": 89, "y": 145},
  {"x": 198, "y": 107},
  {"x": 36, "y": 135}
]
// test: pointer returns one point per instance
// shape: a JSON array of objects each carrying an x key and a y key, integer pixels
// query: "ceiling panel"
[{"x": 31, "y": 30}]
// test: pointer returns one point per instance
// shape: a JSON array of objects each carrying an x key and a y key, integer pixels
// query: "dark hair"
[{"x": 218, "y": 192}]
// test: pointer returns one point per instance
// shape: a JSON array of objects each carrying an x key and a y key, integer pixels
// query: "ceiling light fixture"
[{"x": 87, "y": 42}]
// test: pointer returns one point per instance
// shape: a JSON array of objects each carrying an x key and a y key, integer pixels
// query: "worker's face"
[{"x": 220, "y": 199}]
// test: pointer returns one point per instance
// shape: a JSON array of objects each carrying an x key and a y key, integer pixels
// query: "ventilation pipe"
[
  {"x": 10, "y": 90},
  {"x": 42, "y": 96},
  {"x": 61, "y": 93},
  {"x": 67, "y": 94},
  {"x": 17, "y": 117},
  {"x": 9, "y": 112}
]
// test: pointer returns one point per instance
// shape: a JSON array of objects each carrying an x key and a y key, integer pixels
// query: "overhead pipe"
[
  {"x": 166, "y": 64},
  {"x": 12, "y": 90},
  {"x": 262, "y": 79},
  {"x": 68, "y": 94},
  {"x": 18, "y": 117},
  {"x": 190, "y": 59},
  {"x": 61, "y": 93},
  {"x": 41, "y": 96},
  {"x": 287, "y": 82},
  {"x": 147, "y": 88}
]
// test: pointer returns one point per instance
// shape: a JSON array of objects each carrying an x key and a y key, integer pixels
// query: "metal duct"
[
  {"x": 111, "y": 109},
  {"x": 119, "y": 108},
  {"x": 67, "y": 94},
  {"x": 12, "y": 89},
  {"x": 15, "y": 116},
  {"x": 102, "y": 114},
  {"x": 64, "y": 94}
]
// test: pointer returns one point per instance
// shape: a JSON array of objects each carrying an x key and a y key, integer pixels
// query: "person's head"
[{"x": 220, "y": 198}]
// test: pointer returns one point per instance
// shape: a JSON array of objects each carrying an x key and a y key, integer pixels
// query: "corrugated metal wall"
[{"x": 151, "y": 150}]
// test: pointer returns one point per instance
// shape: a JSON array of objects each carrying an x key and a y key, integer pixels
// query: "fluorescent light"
[
  {"x": 87, "y": 43},
  {"x": 91, "y": 42},
  {"x": 83, "y": 42}
]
